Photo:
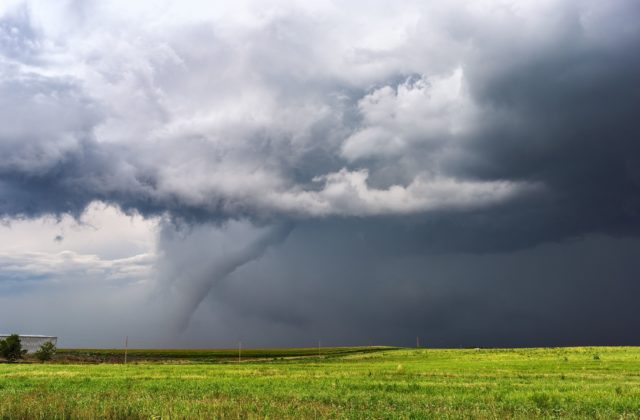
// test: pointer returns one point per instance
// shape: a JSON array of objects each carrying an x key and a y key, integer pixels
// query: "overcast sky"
[{"x": 195, "y": 173}]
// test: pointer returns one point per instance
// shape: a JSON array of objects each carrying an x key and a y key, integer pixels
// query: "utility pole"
[
  {"x": 418, "y": 341},
  {"x": 318, "y": 348},
  {"x": 126, "y": 348},
  {"x": 239, "y": 351}
]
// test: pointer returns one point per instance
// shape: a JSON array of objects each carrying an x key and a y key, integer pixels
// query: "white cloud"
[
  {"x": 102, "y": 231},
  {"x": 68, "y": 268},
  {"x": 346, "y": 193},
  {"x": 429, "y": 112}
]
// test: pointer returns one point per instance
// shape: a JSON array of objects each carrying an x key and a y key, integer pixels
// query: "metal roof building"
[{"x": 32, "y": 343}]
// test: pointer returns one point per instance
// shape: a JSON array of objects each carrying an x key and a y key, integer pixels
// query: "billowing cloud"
[
  {"x": 150, "y": 124},
  {"x": 427, "y": 112}
]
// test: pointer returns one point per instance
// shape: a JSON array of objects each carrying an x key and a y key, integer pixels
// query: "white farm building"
[{"x": 32, "y": 343}]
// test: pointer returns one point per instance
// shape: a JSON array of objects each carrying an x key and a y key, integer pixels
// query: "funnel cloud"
[{"x": 191, "y": 262}]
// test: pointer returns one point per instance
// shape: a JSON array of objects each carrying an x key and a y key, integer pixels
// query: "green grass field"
[
  {"x": 594, "y": 382},
  {"x": 207, "y": 356}
]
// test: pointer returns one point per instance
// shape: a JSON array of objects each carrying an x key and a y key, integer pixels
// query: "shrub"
[
  {"x": 46, "y": 351},
  {"x": 11, "y": 348}
]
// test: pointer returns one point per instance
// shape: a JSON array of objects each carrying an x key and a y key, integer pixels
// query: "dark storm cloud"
[
  {"x": 565, "y": 117},
  {"x": 341, "y": 289},
  {"x": 450, "y": 177}
]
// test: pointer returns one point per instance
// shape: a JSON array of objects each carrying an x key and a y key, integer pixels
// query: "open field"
[
  {"x": 596, "y": 382},
  {"x": 206, "y": 356}
]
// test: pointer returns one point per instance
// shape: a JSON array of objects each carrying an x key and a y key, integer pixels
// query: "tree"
[
  {"x": 46, "y": 352},
  {"x": 11, "y": 348}
]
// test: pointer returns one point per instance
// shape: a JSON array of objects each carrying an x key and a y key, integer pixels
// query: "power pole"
[
  {"x": 418, "y": 341},
  {"x": 239, "y": 351},
  {"x": 126, "y": 348},
  {"x": 318, "y": 348}
]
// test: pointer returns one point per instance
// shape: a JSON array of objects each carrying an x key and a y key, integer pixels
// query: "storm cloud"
[{"x": 359, "y": 171}]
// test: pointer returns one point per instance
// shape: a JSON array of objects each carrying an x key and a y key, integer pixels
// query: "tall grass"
[{"x": 388, "y": 383}]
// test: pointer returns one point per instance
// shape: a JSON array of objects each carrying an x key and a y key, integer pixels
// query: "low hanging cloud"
[
  {"x": 425, "y": 127},
  {"x": 347, "y": 193}
]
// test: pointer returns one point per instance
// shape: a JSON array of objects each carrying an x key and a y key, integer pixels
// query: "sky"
[{"x": 196, "y": 174}]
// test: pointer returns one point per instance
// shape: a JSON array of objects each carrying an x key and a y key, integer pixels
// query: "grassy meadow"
[{"x": 378, "y": 382}]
